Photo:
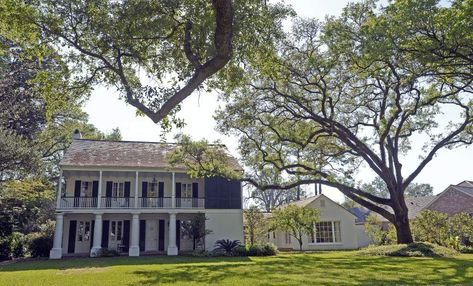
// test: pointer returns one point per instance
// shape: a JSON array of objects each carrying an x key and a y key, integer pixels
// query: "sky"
[{"x": 107, "y": 111}]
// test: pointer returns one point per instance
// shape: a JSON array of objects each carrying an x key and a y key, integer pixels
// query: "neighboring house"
[
  {"x": 337, "y": 228},
  {"x": 454, "y": 199},
  {"x": 124, "y": 196}
]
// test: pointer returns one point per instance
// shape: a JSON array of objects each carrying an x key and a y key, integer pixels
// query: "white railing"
[
  {"x": 123, "y": 203},
  {"x": 190, "y": 203},
  {"x": 78, "y": 202},
  {"x": 153, "y": 202},
  {"x": 117, "y": 203}
]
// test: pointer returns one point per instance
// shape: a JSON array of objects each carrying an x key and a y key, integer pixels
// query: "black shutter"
[
  {"x": 144, "y": 193},
  {"x": 95, "y": 192},
  {"x": 77, "y": 192},
  {"x": 161, "y": 190},
  {"x": 108, "y": 193},
  {"x": 160, "y": 194},
  {"x": 92, "y": 227},
  {"x": 142, "y": 234},
  {"x": 127, "y": 193},
  {"x": 161, "y": 235},
  {"x": 178, "y": 195},
  {"x": 178, "y": 234},
  {"x": 71, "y": 246},
  {"x": 195, "y": 195},
  {"x": 126, "y": 233},
  {"x": 105, "y": 233}
]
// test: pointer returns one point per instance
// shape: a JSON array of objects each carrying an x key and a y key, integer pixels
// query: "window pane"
[
  {"x": 81, "y": 231},
  {"x": 113, "y": 230},
  {"x": 323, "y": 232},
  {"x": 87, "y": 231},
  {"x": 338, "y": 237},
  {"x": 119, "y": 230}
]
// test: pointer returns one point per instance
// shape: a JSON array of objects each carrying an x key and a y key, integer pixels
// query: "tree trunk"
[{"x": 403, "y": 229}]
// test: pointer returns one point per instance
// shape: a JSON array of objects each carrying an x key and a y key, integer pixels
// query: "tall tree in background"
[
  {"x": 158, "y": 52},
  {"x": 256, "y": 225},
  {"x": 358, "y": 90}
]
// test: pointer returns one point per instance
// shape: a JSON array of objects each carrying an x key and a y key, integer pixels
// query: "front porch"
[{"x": 133, "y": 234}]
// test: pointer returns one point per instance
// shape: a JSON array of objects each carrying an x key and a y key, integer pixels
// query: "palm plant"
[{"x": 227, "y": 245}]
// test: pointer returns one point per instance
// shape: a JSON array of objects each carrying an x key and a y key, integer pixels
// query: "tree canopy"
[{"x": 357, "y": 90}]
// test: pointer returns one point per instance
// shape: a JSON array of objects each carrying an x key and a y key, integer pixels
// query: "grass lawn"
[{"x": 321, "y": 268}]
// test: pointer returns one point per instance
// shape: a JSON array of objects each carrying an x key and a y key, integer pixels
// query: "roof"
[
  {"x": 130, "y": 154},
  {"x": 466, "y": 190},
  {"x": 414, "y": 205},
  {"x": 309, "y": 200},
  {"x": 361, "y": 213},
  {"x": 463, "y": 187}
]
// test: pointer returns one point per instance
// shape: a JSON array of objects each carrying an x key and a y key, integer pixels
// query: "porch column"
[
  {"x": 172, "y": 248},
  {"x": 99, "y": 193},
  {"x": 136, "y": 190},
  {"x": 97, "y": 243},
  {"x": 134, "y": 249},
  {"x": 173, "y": 192},
  {"x": 56, "y": 251},
  {"x": 59, "y": 191}
]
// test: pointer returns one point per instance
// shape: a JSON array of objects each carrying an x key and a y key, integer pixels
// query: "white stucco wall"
[
  {"x": 329, "y": 211},
  {"x": 225, "y": 224}
]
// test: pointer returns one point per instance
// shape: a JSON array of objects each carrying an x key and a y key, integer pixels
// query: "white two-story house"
[{"x": 125, "y": 196}]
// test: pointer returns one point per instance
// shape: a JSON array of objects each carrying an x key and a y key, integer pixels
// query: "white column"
[
  {"x": 172, "y": 247},
  {"x": 56, "y": 251},
  {"x": 134, "y": 249},
  {"x": 59, "y": 191},
  {"x": 97, "y": 243},
  {"x": 136, "y": 190},
  {"x": 173, "y": 193},
  {"x": 99, "y": 193}
]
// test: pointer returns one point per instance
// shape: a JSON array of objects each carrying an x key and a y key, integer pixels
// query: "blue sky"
[{"x": 107, "y": 111}]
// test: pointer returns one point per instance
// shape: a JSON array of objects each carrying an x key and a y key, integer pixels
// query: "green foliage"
[
  {"x": 256, "y": 226},
  {"x": 374, "y": 230},
  {"x": 195, "y": 229},
  {"x": 105, "y": 252},
  {"x": 226, "y": 245},
  {"x": 431, "y": 226},
  {"x": 18, "y": 244},
  {"x": 295, "y": 220},
  {"x": 267, "y": 249},
  {"x": 378, "y": 187},
  {"x": 419, "y": 249},
  {"x": 40, "y": 245}
]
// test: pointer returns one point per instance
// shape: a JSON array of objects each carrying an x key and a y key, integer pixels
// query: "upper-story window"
[
  {"x": 153, "y": 189},
  {"x": 118, "y": 190},
  {"x": 186, "y": 191},
  {"x": 86, "y": 189}
]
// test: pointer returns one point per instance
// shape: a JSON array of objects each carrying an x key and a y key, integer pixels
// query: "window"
[
  {"x": 326, "y": 232},
  {"x": 118, "y": 190},
  {"x": 153, "y": 189},
  {"x": 116, "y": 230},
  {"x": 86, "y": 189},
  {"x": 83, "y": 232},
  {"x": 186, "y": 191},
  {"x": 288, "y": 238}
]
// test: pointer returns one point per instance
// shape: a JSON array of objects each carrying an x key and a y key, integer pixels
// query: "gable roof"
[
  {"x": 414, "y": 206},
  {"x": 461, "y": 187},
  {"x": 130, "y": 154},
  {"x": 309, "y": 200},
  {"x": 361, "y": 213}
]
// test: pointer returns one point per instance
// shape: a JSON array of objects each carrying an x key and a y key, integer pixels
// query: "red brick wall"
[{"x": 453, "y": 202}]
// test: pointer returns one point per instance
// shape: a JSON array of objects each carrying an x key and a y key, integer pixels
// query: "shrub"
[
  {"x": 5, "y": 248},
  {"x": 255, "y": 250},
  {"x": 466, "y": 249},
  {"x": 105, "y": 252},
  {"x": 39, "y": 245},
  {"x": 18, "y": 244},
  {"x": 418, "y": 249},
  {"x": 226, "y": 245}
]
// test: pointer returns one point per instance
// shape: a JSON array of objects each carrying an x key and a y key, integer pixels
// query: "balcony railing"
[{"x": 129, "y": 202}]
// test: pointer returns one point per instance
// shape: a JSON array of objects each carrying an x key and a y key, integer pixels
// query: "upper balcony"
[{"x": 130, "y": 203}]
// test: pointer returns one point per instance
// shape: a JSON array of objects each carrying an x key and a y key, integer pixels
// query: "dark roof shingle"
[{"x": 130, "y": 154}]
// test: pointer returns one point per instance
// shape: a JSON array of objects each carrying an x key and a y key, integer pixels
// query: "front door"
[
  {"x": 116, "y": 235},
  {"x": 151, "y": 235},
  {"x": 71, "y": 246}
]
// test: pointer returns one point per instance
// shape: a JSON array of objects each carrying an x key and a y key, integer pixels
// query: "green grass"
[{"x": 319, "y": 268}]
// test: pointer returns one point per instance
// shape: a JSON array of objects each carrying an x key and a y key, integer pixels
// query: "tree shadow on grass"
[
  {"x": 311, "y": 269},
  {"x": 74, "y": 263}
]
